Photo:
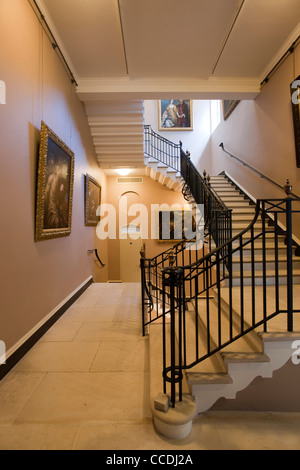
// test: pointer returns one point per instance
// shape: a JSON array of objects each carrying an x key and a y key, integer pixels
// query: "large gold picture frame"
[
  {"x": 92, "y": 201},
  {"x": 295, "y": 93},
  {"x": 55, "y": 181},
  {"x": 175, "y": 115}
]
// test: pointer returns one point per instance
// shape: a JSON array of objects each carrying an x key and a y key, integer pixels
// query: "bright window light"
[{"x": 215, "y": 114}]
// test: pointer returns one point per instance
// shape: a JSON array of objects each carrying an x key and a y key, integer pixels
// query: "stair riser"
[
  {"x": 233, "y": 198},
  {"x": 259, "y": 266},
  {"x": 237, "y": 212},
  {"x": 270, "y": 248},
  {"x": 270, "y": 281},
  {"x": 269, "y": 236}
]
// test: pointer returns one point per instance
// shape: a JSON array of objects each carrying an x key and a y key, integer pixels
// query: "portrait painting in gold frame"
[{"x": 175, "y": 115}]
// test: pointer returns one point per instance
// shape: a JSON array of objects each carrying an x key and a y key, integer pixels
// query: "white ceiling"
[{"x": 149, "y": 48}]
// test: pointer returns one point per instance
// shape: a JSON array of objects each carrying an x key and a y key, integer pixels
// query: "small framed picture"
[
  {"x": 175, "y": 115},
  {"x": 92, "y": 201}
]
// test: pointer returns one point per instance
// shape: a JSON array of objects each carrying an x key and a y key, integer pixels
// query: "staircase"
[
  {"x": 233, "y": 314},
  {"x": 258, "y": 353},
  {"x": 243, "y": 211}
]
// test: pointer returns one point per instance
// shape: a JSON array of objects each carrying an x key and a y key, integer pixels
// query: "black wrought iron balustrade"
[
  {"x": 268, "y": 251},
  {"x": 161, "y": 149},
  {"x": 217, "y": 222},
  {"x": 182, "y": 253}
]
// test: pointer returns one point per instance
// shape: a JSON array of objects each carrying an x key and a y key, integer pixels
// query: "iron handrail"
[
  {"x": 284, "y": 188},
  {"x": 161, "y": 149},
  {"x": 221, "y": 205}
]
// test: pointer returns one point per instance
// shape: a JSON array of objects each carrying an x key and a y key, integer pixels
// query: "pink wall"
[
  {"x": 37, "y": 277},
  {"x": 149, "y": 192}
]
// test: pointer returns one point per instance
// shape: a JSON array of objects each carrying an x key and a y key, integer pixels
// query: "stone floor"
[{"x": 85, "y": 385}]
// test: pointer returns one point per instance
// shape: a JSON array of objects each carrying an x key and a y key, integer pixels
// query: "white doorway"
[{"x": 130, "y": 248}]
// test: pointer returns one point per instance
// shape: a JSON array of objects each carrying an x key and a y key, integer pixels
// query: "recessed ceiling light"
[{"x": 123, "y": 171}]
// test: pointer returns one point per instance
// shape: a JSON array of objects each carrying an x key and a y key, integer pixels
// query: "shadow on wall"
[{"x": 279, "y": 393}]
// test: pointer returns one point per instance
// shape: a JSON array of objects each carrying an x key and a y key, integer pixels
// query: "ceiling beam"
[
  {"x": 168, "y": 88},
  {"x": 240, "y": 6}
]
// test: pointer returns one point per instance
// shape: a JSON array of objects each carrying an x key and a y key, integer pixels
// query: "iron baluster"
[
  {"x": 264, "y": 265},
  {"x": 253, "y": 275},
  {"x": 289, "y": 243},
  {"x": 276, "y": 262}
]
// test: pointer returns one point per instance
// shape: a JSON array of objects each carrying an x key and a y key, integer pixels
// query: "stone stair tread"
[
  {"x": 248, "y": 343},
  {"x": 227, "y": 192},
  {"x": 276, "y": 324},
  {"x": 269, "y": 273},
  {"x": 257, "y": 232},
  {"x": 270, "y": 258},
  {"x": 258, "y": 243},
  {"x": 279, "y": 336},
  {"x": 233, "y": 198},
  {"x": 244, "y": 210},
  {"x": 236, "y": 224},
  {"x": 230, "y": 357},
  {"x": 243, "y": 216},
  {"x": 162, "y": 165},
  {"x": 207, "y": 378},
  {"x": 213, "y": 364},
  {"x": 236, "y": 203}
]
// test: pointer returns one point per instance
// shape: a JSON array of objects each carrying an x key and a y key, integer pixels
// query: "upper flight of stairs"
[{"x": 243, "y": 211}]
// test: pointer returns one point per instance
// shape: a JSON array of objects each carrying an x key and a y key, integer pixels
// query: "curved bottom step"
[{"x": 177, "y": 422}]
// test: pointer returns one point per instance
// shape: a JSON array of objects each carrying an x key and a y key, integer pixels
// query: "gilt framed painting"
[
  {"x": 92, "y": 201},
  {"x": 295, "y": 94},
  {"x": 175, "y": 115},
  {"x": 55, "y": 181}
]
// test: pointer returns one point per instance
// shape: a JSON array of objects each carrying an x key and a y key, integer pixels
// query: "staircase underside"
[
  {"x": 117, "y": 132},
  {"x": 163, "y": 174}
]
